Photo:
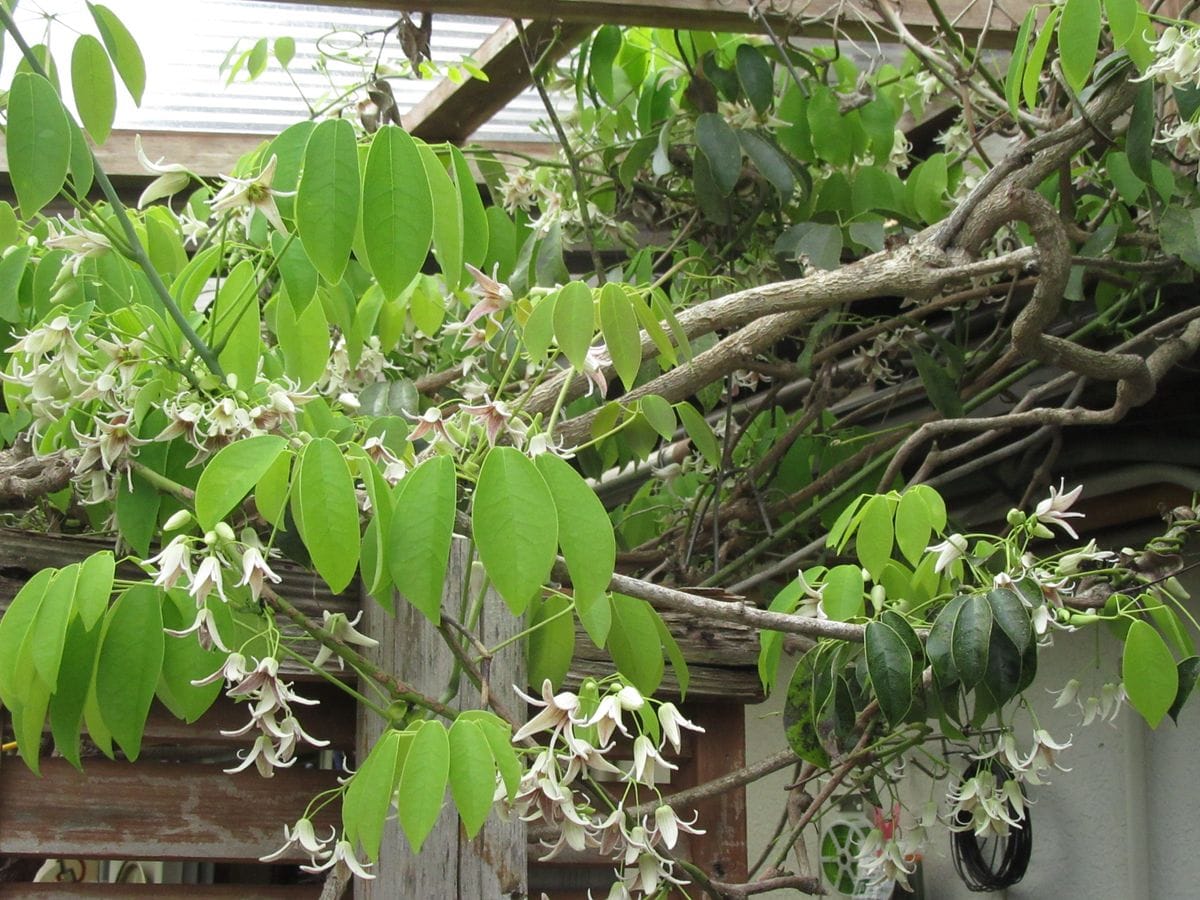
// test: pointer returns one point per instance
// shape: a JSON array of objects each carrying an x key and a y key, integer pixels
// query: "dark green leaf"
[
  {"x": 756, "y": 77},
  {"x": 939, "y": 384},
  {"x": 799, "y": 719},
  {"x": 770, "y": 162},
  {"x": 719, "y": 144},
  {"x": 1189, "y": 672},
  {"x": 890, "y": 664},
  {"x": 971, "y": 639}
]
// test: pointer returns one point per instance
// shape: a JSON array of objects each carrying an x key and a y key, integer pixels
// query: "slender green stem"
[
  {"x": 566, "y": 610},
  {"x": 162, "y": 482},
  {"x": 558, "y": 403}
]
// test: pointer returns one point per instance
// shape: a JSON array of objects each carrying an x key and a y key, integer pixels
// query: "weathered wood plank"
[
  {"x": 809, "y": 17},
  {"x": 453, "y": 112},
  {"x": 114, "y": 810},
  {"x": 707, "y": 682},
  {"x": 493, "y": 864},
  {"x": 160, "y": 891}
]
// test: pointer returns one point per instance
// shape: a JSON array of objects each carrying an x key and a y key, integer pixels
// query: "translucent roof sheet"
[{"x": 184, "y": 44}]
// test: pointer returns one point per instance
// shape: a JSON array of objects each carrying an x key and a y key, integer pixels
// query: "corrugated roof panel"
[{"x": 184, "y": 44}]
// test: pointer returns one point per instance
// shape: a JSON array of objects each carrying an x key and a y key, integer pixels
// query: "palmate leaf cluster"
[{"x": 404, "y": 362}]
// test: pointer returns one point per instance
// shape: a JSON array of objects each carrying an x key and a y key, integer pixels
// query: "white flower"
[
  {"x": 305, "y": 835},
  {"x": 82, "y": 243},
  {"x": 1053, "y": 510},
  {"x": 646, "y": 759},
  {"x": 343, "y": 852},
  {"x": 172, "y": 177},
  {"x": 255, "y": 570},
  {"x": 1043, "y": 757},
  {"x": 555, "y": 715},
  {"x": 667, "y": 825},
  {"x": 208, "y": 579},
  {"x": 343, "y": 629},
  {"x": 607, "y": 717},
  {"x": 952, "y": 548},
  {"x": 252, "y": 193},
  {"x": 671, "y": 721},
  {"x": 173, "y": 561},
  {"x": 263, "y": 755},
  {"x": 1067, "y": 695}
]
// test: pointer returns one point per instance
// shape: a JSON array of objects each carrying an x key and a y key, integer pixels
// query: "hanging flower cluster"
[
  {"x": 278, "y": 730},
  {"x": 581, "y": 731}
]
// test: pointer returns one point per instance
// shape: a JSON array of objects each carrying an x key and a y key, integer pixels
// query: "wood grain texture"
[
  {"x": 494, "y": 863},
  {"x": 114, "y": 810},
  {"x": 160, "y": 891}
]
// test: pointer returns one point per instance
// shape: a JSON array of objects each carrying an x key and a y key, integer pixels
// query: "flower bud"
[
  {"x": 177, "y": 521},
  {"x": 210, "y": 538},
  {"x": 224, "y": 532},
  {"x": 1015, "y": 518},
  {"x": 232, "y": 380},
  {"x": 878, "y": 596}
]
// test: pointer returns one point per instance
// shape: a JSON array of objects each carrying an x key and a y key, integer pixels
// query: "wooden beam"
[
  {"x": 811, "y": 18},
  {"x": 453, "y": 112},
  {"x": 114, "y": 810}
]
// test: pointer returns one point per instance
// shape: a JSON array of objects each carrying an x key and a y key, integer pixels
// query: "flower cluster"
[
  {"x": 988, "y": 804},
  {"x": 889, "y": 854},
  {"x": 321, "y": 858},
  {"x": 1177, "y": 57},
  {"x": 582, "y": 729},
  {"x": 270, "y": 698}
]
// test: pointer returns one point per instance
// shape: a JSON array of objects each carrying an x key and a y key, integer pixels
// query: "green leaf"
[
  {"x": 842, "y": 597},
  {"x": 1009, "y": 613},
  {"x": 123, "y": 49},
  {"x": 94, "y": 87},
  {"x": 634, "y": 644},
  {"x": 799, "y": 718},
  {"x": 137, "y": 509},
  {"x": 423, "y": 782},
  {"x": 1016, "y": 63},
  {"x": 551, "y": 640},
  {"x": 939, "y": 644},
  {"x": 38, "y": 142},
  {"x": 1078, "y": 41},
  {"x": 327, "y": 198},
  {"x": 719, "y": 144},
  {"x": 574, "y": 322},
  {"x": 131, "y": 657},
  {"x": 95, "y": 586},
  {"x": 328, "y": 516},
  {"x": 447, "y": 219},
  {"x": 185, "y": 662},
  {"x": 15, "y": 626},
  {"x": 12, "y": 270},
  {"x": 659, "y": 414},
  {"x": 700, "y": 432},
  {"x": 271, "y": 489},
  {"x": 770, "y": 162},
  {"x": 515, "y": 525},
  {"x": 498, "y": 735},
  {"x": 927, "y": 186},
  {"x": 70, "y": 695},
  {"x": 397, "y": 212},
  {"x": 586, "y": 536},
  {"x": 285, "y": 51},
  {"x": 674, "y": 654},
  {"x": 605, "y": 46},
  {"x": 474, "y": 218},
  {"x": 873, "y": 540},
  {"x": 1122, "y": 20},
  {"x": 890, "y": 665},
  {"x": 368, "y": 798},
  {"x": 1189, "y": 672},
  {"x": 622, "y": 337},
  {"x": 232, "y": 473},
  {"x": 421, "y": 532},
  {"x": 49, "y": 631},
  {"x": 971, "y": 638},
  {"x": 1037, "y": 58},
  {"x": 814, "y": 243},
  {"x": 1149, "y": 672},
  {"x": 940, "y": 385},
  {"x": 912, "y": 526},
  {"x": 472, "y": 774},
  {"x": 756, "y": 77},
  {"x": 1179, "y": 232},
  {"x": 304, "y": 341}
]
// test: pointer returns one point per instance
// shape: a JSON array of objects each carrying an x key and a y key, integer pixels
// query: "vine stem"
[
  {"x": 138, "y": 250},
  {"x": 400, "y": 690}
]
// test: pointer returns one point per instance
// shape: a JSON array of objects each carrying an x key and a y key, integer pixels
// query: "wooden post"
[{"x": 494, "y": 863}]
